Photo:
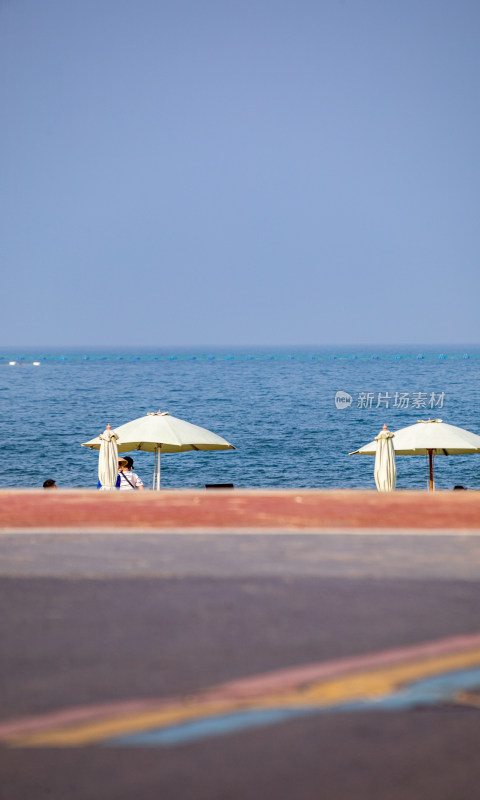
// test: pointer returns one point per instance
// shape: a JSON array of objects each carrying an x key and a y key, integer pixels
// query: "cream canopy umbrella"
[
  {"x": 159, "y": 433},
  {"x": 429, "y": 438},
  {"x": 108, "y": 460},
  {"x": 385, "y": 471}
]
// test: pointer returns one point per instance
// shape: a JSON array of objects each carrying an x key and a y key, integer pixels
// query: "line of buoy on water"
[{"x": 246, "y": 357}]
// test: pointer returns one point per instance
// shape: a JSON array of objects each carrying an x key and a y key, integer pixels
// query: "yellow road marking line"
[{"x": 467, "y": 699}]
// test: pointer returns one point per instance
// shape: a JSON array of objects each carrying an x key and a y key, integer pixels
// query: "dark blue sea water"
[{"x": 277, "y": 406}]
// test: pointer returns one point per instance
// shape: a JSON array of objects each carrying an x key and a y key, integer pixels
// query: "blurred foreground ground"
[{"x": 202, "y": 590}]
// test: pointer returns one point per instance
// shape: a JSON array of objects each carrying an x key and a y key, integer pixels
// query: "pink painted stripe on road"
[
  {"x": 67, "y": 716},
  {"x": 282, "y": 680},
  {"x": 246, "y": 688}
]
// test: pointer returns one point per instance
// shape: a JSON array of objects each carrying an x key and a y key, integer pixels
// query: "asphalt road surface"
[{"x": 94, "y": 619}]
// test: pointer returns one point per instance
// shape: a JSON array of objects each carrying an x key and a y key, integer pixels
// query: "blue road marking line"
[{"x": 428, "y": 691}]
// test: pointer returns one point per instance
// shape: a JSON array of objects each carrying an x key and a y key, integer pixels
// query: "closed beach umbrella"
[
  {"x": 429, "y": 438},
  {"x": 160, "y": 433},
  {"x": 385, "y": 471},
  {"x": 108, "y": 459}
]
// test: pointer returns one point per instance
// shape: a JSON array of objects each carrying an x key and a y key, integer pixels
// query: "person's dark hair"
[
  {"x": 456, "y": 488},
  {"x": 48, "y": 483},
  {"x": 129, "y": 461}
]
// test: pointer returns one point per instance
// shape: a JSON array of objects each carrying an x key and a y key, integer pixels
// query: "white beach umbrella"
[
  {"x": 108, "y": 459},
  {"x": 162, "y": 433},
  {"x": 429, "y": 438},
  {"x": 385, "y": 471}
]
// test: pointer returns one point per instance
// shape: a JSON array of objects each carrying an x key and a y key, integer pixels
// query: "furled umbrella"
[
  {"x": 429, "y": 438},
  {"x": 108, "y": 459},
  {"x": 385, "y": 471},
  {"x": 161, "y": 433}
]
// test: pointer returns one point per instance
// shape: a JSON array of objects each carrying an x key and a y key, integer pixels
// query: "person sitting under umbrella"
[{"x": 129, "y": 480}]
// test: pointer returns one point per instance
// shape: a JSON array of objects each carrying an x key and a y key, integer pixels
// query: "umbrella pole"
[
  {"x": 159, "y": 452},
  {"x": 430, "y": 469}
]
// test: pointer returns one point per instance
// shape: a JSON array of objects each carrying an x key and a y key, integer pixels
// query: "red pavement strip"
[{"x": 238, "y": 510}]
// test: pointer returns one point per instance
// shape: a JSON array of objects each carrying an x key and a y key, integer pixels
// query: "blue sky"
[{"x": 227, "y": 173}]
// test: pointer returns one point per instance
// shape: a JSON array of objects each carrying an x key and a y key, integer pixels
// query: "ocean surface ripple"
[{"x": 293, "y": 414}]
